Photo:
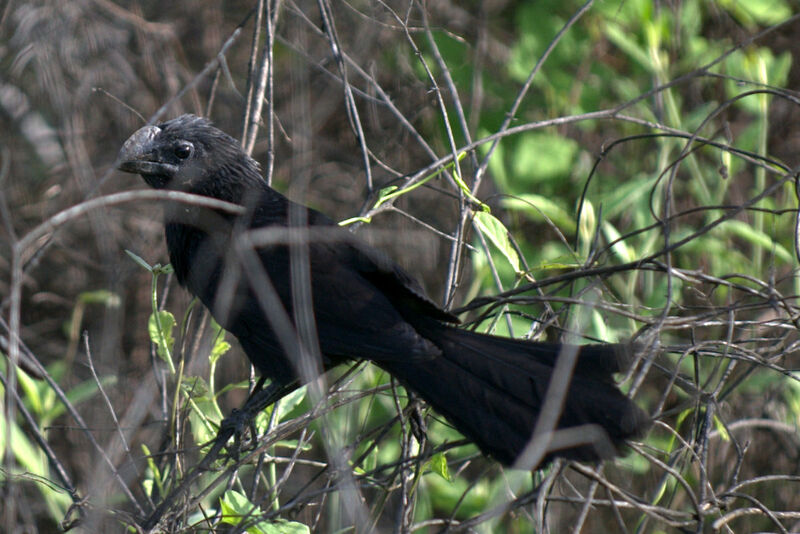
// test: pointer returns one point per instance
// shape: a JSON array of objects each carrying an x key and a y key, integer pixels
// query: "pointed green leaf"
[
  {"x": 497, "y": 233},
  {"x": 758, "y": 238},
  {"x": 439, "y": 466},
  {"x": 160, "y": 327},
  {"x": 723, "y": 432},
  {"x": 236, "y": 507},
  {"x": 538, "y": 207},
  {"x": 138, "y": 259}
]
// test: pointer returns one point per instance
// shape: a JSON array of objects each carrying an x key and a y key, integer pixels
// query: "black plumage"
[{"x": 363, "y": 305}]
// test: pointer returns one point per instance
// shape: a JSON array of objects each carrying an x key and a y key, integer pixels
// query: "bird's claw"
[
  {"x": 417, "y": 419},
  {"x": 234, "y": 426}
]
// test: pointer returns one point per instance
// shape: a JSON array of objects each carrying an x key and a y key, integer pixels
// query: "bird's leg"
[
  {"x": 258, "y": 387},
  {"x": 237, "y": 421},
  {"x": 231, "y": 426},
  {"x": 240, "y": 418},
  {"x": 252, "y": 423},
  {"x": 417, "y": 419}
]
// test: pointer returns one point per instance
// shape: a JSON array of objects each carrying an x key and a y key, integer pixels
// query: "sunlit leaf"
[
  {"x": 497, "y": 233},
  {"x": 160, "y": 327},
  {"x": 439, "y": 466},
  {"x": 236, "y": 508}
]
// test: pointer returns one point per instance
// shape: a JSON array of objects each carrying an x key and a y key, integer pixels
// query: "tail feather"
[{"x": 492, "y": 389}]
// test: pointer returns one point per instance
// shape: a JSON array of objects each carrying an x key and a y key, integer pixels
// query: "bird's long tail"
[{"x": 492, "y": 390}]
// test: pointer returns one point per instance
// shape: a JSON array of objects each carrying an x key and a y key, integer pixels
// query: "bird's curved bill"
[{"x": 138, "y": 154}]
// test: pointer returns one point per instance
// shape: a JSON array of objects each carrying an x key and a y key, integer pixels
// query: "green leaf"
[
  {"x": 619, "y": 248},
  {"x": 542, "y": 157},
  {"x": 100, "y": 296},
  {"x": 33, "y": 396},
  {"x": 205, "y": 414},
  {"x": 791, "y": 392},
  {"x": 280, "y": 526},
  {"x": 195, "y": 387},
  {"x": 138, "y": 259},
  {"x": 385, "y": 192},
  {"x": 586, "y": 229},
  {"x": 538, "y": 207},
  {"x": 78, "y": 394},
  {"x": 29, "y": 456},
  {"x": 723, "y": 432},
  {"x": 757, "y": 238},
  {"x": 236, "y": 507},
  {"x": 2, "y": 437},
  {"x": 290, "y": 401},
  {"x": 759, "y": 65},
  {"x": 625, "y": 196},
  {"x": 623, "y": 40},
  {"x": 497, "y": 233},
  {"x": 220, "y": 345},
  {"x": 758, "y": 12},
  {"x": 163, "y": 269},
  {"x": 160, "y": 327},
  {"x": 554, "y": 264},
  {"x": 285, "y": 406},
  {"x": 153, "y": 475},
  {"x": 439, "y": 466}
]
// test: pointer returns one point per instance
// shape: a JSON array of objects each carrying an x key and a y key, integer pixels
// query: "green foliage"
[
  {"x": 154, "y": 478},
  {"x": 438, "y": 465},
  {"x": 160, "y": 326},
  {"x": 497, "y": 233},
  {"x": 791, "y": 392},
  {"x": 389, "y": 193},
  {"x": 283, "y": 410},
  {"x": 615, "y": 54},
  {"x": 758, "y": 12},
  {"x": 541, "y": 172},
  {"x": 220, "y": 347},
  {"x": 204, "y": 414},
  {"x": 160, "y": 323},
  {"x": 42, "y": 403},
  {"x": 236, "y": 508}
]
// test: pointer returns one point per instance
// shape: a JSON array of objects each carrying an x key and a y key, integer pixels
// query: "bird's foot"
[
  {"x": 241, "y": 419},
  {"x": 235, "y": 426},
  {"x": 416, "y": 418}
]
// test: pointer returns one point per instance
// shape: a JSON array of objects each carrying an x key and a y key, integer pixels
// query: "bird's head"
[{"x": 182, "y": 153}]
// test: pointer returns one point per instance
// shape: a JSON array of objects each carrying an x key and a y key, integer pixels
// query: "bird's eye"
[{"x": 183, "y": 150}]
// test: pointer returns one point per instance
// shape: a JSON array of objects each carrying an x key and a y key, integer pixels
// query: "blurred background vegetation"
[{"x": 625, "y": 169}]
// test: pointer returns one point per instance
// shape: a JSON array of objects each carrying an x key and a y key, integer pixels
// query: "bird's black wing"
[
  {"x": 357, "y": 292},
  {"x": 404, "y": 291},
  {"x": 338, "y": 245}
]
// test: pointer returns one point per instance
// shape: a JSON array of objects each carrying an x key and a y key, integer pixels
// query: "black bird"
[{"x": 364, "y": 305}]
